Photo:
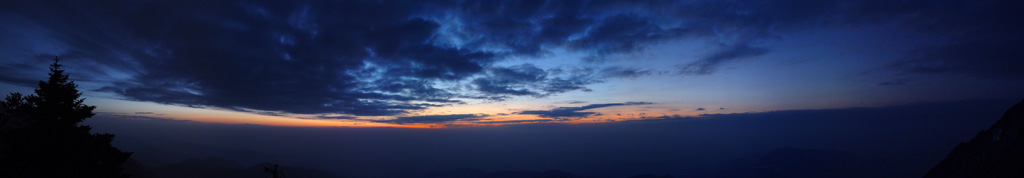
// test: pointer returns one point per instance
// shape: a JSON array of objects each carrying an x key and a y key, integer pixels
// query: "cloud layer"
[
  {"x": 434, "y": 118},
  {"x": 369, "y": 58},
  {"x": 575, "y": 112}
]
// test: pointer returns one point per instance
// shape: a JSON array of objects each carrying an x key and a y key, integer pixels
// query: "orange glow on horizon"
[
  {"x": 497, "y": 120},
  {"x": 488, "y": 115}
]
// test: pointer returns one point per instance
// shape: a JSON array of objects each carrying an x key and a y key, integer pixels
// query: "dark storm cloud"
[
  {"x": 408, "y": 42},
  {"x": 387, "y": 58},
  {"x": 314, "y": 57},
  {"x": 278, "y": 57},
  {"x": 574, "y": 112},
  {"x": 433, "y": 118}
]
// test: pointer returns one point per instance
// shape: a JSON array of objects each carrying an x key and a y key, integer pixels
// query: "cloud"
[
  {"x": 433, "y": 119},
  {"x": 897, "y": 82},
  {"x": 623, "y": 72},
  {"x": 266, "y": 56},
  {"x": 528, "y": 80},
  {"x": 575, "y": 102},
  {"x": 514, "y": 121},
  {"x": 311, "y": 59},
  {"x": 701, "y": 109},
  {"x": 335, "y": 117},
  {"x": 574, "y": 112},
  {"x": 980, "y": 39},
  {"x": 314, "y": 58},
  {"x": 987, "y": 57},
  {"x": 515, "y": 80},
  {"x": 17, "y": 74},
  {"x": 710, "y": 63},
  {"x": 623, "y": 33}
]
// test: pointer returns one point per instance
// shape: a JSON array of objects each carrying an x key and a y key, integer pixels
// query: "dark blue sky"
[{"x": 334, "y": 63}]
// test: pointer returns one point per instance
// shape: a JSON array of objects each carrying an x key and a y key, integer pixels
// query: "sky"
[
  {"x": 593, "y": 88},
  {"x": 444, "y": 64}
]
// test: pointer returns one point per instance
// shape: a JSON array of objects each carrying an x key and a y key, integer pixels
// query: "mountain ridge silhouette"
[{"x": 994, "y": 152}]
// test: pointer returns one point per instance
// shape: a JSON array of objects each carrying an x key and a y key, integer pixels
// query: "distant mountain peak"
[{"x": 995, "y": 152}]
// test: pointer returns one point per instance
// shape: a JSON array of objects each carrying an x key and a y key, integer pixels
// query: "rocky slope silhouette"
[{"x": 996, "y": 152}]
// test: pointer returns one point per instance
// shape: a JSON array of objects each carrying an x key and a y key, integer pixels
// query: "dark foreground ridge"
[
  {"x": 41, "y": 134},
  {"x": 996, "y": 152}
]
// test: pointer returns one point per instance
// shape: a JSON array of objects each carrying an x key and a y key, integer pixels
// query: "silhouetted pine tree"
[
  {"x": 274, "y": 173},
  {"x": 41, "y": 135}
]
